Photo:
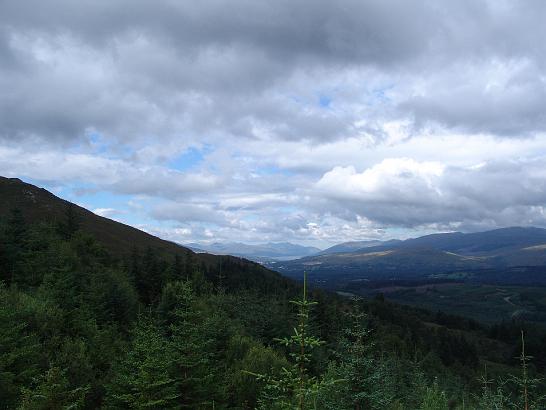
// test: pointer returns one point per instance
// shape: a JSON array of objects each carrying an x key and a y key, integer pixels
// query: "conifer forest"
[{"x": 83, "y": 328}]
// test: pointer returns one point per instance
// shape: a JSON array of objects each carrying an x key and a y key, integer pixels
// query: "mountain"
[
  {"x": 39, "y": 205},
  {"x": 481, "y": 243},
  {"x": 267, "y": 251},
  {"x": 355, "y": 245},
  {"x": 492, "y": 254}
]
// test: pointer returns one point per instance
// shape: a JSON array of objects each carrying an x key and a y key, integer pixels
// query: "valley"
[
  {"x": 488, "y": 276},
  {"x": 130, "y": 308}
]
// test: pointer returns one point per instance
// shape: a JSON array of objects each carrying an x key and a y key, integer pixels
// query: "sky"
[{"x": 311, "y": 121}]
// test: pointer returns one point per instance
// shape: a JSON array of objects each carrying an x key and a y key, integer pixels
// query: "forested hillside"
[{"x": 148, "y": 324}]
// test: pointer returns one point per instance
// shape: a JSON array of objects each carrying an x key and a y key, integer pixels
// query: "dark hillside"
[{"x": 39, "y": 205}]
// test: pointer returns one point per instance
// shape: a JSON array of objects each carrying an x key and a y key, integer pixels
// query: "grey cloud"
[
  {"x": 507, "y": 103},
  {"x": 163, "y": 183},
  {"x": 184, "y": 70},
  {"x": 245, "y": 78},
  {"x": 372, "y": 30}
]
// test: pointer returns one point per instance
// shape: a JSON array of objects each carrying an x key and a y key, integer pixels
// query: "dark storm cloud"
[
  {"x": 377, "y": 31},
  {"x": 132, "y": 69}
]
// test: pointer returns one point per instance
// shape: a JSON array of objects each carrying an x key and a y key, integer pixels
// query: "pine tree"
[
  {"x": 142, "y": 380},
  {"x": 364, "y": 382},
  {"x": 175, "y": 271},
  {"x": 53, "y": 391},
  {"x": 295, "y": 388},
  {"x": 434, "y": 398},
  {"x": 529, "y": 397},
  {"x": 491, "y": 399},
  {"x": 190, "y": 346},
  {"x": 189, "y": 265},
  {"x": 148, "y": 279},
  {"x": 70, "y": 223},
  {"x": 19, "y": 353},
  {"x": 134, "y": 265},
  {"x": 16, "y": 235},
  {"x": 16, "y": 228},
  {"x": 246, "y": 357}
]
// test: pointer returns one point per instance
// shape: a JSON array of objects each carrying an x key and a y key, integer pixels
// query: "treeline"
[{"x": 80, "y": 328}]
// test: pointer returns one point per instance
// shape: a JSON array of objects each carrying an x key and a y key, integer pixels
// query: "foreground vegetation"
[{"x": 80, "y": 328}]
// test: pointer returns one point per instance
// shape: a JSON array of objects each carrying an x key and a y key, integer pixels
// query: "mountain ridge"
[
  {"x": 436, "y": 255},
  {"x": 39, "y": 205}
]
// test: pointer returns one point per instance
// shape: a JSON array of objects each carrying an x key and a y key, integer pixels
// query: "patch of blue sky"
[
  {"x": 101, "y": 199},
  {"x": 324, "y": 101},
  {"x": 98, "y": 142},
  {"x": 190, "y": 158}
]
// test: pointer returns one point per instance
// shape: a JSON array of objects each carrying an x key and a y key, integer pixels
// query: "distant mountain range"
[
  {"x": 355, "y": 245},
  {"x": 282, "y": 251},
  {"x": 508, "y": 255},
  {"x": 268, "y": 251}
]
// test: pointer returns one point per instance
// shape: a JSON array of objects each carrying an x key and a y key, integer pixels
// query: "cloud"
[
  {"x": 413, "y": 181},
  {"x": 405, "y": 193},
  {"x": 135, "y": 70},
  {"x": 502, "y": 97},
  {"x": 100, "y": 173},
  {"x": 188, "y": 213},
  {"x": 314, "y": 120}
]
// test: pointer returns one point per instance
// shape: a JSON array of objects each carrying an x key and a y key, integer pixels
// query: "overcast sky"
[{"x": 313, "y": 122}]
